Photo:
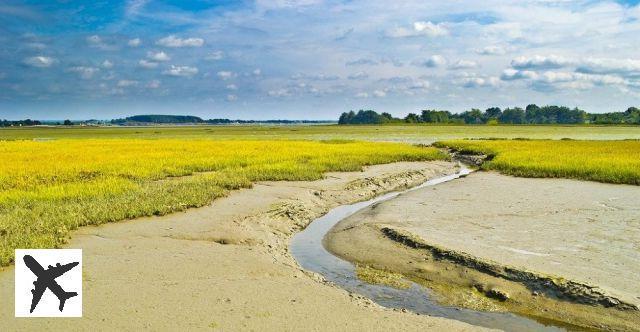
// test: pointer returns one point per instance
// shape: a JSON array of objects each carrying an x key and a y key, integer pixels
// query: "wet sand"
[
  {"x": 573, "y": 233},
  {"x": 227, "y": 266}
]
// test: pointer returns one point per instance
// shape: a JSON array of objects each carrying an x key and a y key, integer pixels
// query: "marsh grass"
[
  {"x": 49, "y": 188},
  {"x": 603, "y": 161},
  {"x": 405, "y": 133}
]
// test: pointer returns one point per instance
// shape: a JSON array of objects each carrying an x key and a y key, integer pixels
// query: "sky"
[{"x": 313, "y": 59}]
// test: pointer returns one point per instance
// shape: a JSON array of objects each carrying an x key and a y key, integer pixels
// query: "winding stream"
[{"x": 308, "y": 250}]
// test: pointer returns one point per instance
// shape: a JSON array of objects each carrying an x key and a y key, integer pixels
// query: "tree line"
[
  {"x": 532, "y": 114},
  {"x": 19, "y": 123},
  {"x": 29, "y": 122},
  {"x": 190, "y": 119}
]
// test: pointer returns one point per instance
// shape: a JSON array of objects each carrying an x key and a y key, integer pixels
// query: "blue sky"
[{"x": 313, "y": 59}]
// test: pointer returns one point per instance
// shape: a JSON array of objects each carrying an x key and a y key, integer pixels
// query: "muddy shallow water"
[{"x": 307, "y": 248}]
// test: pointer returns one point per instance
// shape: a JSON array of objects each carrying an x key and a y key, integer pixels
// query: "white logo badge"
[{"x": 48, "y": 282}]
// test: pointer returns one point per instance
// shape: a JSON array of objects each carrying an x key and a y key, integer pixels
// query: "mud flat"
[
  {"x": 227, "y": 266},
  {"x": 562, "y": 251}
]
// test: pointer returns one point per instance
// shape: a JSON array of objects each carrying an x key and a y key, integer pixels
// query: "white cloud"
[
  {"x": 257, "y": 72},
  {"x": 314, "y": 77},
  {"x": 225, "y": 75},
  {"x": 158, "y": 56},
  {"x": 94, "y": 40},
  {"x": 215, "y": 55},
  {"x": 362, "y": 95},
  {"x": 540, "y": 62},
  {"x": 126, "y": 83},
  {"x": 173, "y": 41},
  {"x": 625, "y": 67},
  {"x": 432, "y": 62},
  {"x": 279, "y": 93},
  {"x": 358, "y": 76},
  {"x": 607, "y": 80},
  {"x": 472, "y": 82},
  {"x": 419, "y": 85},
  {"x": 39, "y": 61},
  {"x": 379, "y": 93},
  {"x": 464, "y": 64},
  {"x": 419, "y": 28},
  {"x": 564, "y": 79},
  {"x": 232, "y": 97},
  {"x": 554, "y": 77},
  {"x": 106, "y": 64},
  {"x": 135, "y": 42},
  {"x": 430, "y": 29},
  {"x": 134, "y": 7},
  {"x": 492, "y": 50},
  {"x": 85, "y": 73},
  {"x": 147, "y": 64},
  {"x": 512, "y": 74},
  {"x": 181, "y": 71},
  {"x": 274, "y": 4},
  {"x": 232, "y": 87},
  {"x": 361, "y": 62}
]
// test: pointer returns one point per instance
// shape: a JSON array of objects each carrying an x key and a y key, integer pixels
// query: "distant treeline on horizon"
[
  {"x": 167, "y": 119},
  {"x": 153, "y": 119},
  {"x": 532, "y": 114}
]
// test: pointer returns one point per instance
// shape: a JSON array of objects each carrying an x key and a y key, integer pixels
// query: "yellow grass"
[
  {"x": 604, "y": 161},
  {"x": 50, "y": 188}
]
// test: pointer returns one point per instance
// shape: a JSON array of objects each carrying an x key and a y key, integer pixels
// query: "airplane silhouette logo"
[
  {"x": 42, "y": 273},
  {"x": 47, "y": 279}
]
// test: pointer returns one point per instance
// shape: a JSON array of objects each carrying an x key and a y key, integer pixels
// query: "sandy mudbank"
[
  {"x": 226, "y": 266},
  {"x": 494, "y": 242}
]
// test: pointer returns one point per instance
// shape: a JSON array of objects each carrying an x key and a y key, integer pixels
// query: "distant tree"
[
  {"x": 633, "y": 114},
  {"x": 362, "y": 117},
  {"x": 368, "y": 117},
  {"x": 346, "y": 118},
  {"x": 412, "y": 118},
  {"x": 474, "y": 116},
  {"x": 492, "y": 113},
  {"x": 387, "y": 116},
  {"x": 433, "y": 116},
  {"x": 533, "y": 114},
  {"x": 68, "y": 122},
  {"x": 19, "y": 123},
  {"x": 514, "y": 115},
  {"x": 161, "y": 118}
]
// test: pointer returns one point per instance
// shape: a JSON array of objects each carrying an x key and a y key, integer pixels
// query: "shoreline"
[
  {"x": 452, "y": 240},
  {"x": 226, "y": 266}
]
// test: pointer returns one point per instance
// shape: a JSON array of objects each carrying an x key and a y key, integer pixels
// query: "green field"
[
  {"x": 425, "y": 134},
  {"x": 603, "y": 161}
]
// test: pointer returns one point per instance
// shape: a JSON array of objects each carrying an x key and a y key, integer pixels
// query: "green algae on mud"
[{"x": 374, "y": 276}]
